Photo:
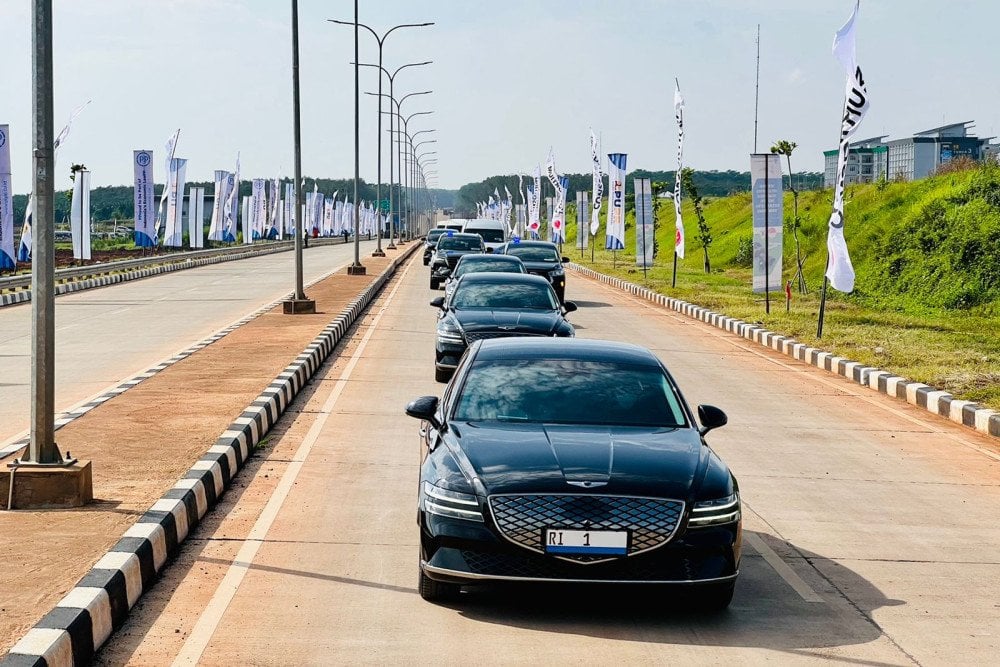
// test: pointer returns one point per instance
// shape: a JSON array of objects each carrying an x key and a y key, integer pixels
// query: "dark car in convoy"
[
  {"x": 482, "y": 264},
  {"x": 541, "y": 258},
  {"x": 450, "y": 247},
  {"x": 495, "y": 305},
  {"x": 430, "y": 243},
  {"x": 572, "y": 461}
]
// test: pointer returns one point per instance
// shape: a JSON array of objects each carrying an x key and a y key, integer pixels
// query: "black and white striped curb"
[
  {"x": 98, "y": 605},
  {"x": 24, "y": 295},
  {"x": 66, "y": 417},
  {"x": 933, "y": 400}
]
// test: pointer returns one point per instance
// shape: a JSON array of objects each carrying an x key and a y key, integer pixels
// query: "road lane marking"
[
  {"x": 210, "y": 618},
  {"x": 782, "y": 568}
]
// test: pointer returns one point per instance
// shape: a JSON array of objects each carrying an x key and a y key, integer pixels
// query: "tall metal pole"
[
  {"x": 300, "y": 295},
  {"x": 392, "y": 198},
  {"x": 42, "y": 446},
  {"x": 756, "y": 94},
  {"x": 357, "y": 268},
  {"x": 378, "y": 190}
]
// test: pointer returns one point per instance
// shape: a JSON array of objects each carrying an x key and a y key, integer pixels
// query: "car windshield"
[
  {"x": 568, "y": 391},
  {"x": 516, "y": 296},
  {"x": 459, "y": 243},
  {"x": 488, "y": 266},
  {"x": 535, "y": 253},
  {"x": 433, "y": 234},
  {"x": 491, "y": 235}
]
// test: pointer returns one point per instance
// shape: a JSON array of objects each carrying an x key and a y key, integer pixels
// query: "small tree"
[
  {"x": 704, "y": 233},
  {"x": 785, "y": 147}
]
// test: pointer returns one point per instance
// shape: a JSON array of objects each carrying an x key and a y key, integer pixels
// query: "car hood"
[
  {"x": 536, "y": 458},
  {"x": 511, "y": 321}
]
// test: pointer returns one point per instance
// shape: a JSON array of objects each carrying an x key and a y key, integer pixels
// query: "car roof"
[
  {"x": 536, "y": 244},
  {"x": 503, "y": 278},
  {"x": 489, "y": 257},
  {"x": 577, "y": 349},
  {"x": 461, "y": 235}
]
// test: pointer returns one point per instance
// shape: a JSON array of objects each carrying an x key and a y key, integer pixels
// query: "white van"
[{"x": 494, "y": 232}]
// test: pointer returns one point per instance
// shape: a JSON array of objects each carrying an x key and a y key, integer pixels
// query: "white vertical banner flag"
[
  {"x": 768, "y": 213},
  {"x": 338, "y": 217},
  {"x": 196, "y": 218},
  {"x": 230, "y": 207},
  {"x": 558, "y": 222},
  {"x": 145, "y": 218},
  {"x": 173, "y": 230},
  {"x": 520, "y": 214},
  {"x": 614, "y": 238},
  {"x": 79, "y": 217},
  {"x": 644, "y": 241},
  {"x": 549, "y": 210},
  {"x": 274, "y": 215},
  {"x": 839, "y": 269},
  {"x": 245, "y": 220},
  {"x": 597, "y": 185},
  {"x": 257, "y": 214},
  {"x": 678, "y": 220},
  {"x": 6, "y": 203},
  {"x": 582, "y": 219},
  {"x": 535, "y": 215},
  {"x": 161, "y": 214},
  {"x": 219, "y": 196},
  {"x": 327, "y": 217},
  {"x": 289, "y": 198}
]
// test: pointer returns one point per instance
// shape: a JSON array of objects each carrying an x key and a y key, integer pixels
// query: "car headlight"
[
  {"x": 447, "y": 332},
  {"x": 452, "y": 504},
  {"x": 715, "y": 512},
  {"x": 557, "y": 273}
]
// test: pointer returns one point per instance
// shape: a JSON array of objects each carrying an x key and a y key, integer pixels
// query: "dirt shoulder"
[{"x": 142, "y": 441}]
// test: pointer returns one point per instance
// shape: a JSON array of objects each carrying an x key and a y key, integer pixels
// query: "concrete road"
[
  {"x": 871, "y": 527},
  {"x": 109, "y": 334}
]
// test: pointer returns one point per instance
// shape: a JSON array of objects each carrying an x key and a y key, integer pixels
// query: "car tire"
[
  {"x": 435, "y": 283},
  {"x": 442, "y": 375},
  {"x": 426, "y": 261},
  {"x": 437, "y": 591},
  {"x": 713, "y": 597}
]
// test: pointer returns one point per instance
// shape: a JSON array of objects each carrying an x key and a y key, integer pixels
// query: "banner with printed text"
[
  {"x": 614, "y": 238},
  {"x": 768, "y": 214},
  {"x": 145, "y": 216},
  {"x": 6, "y": 203}
]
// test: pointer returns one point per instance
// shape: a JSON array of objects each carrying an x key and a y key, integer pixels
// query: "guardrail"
[{"x": 104, "y": 268}]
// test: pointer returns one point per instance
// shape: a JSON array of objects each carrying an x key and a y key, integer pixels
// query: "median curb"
[
  {"x": 108, "y": 279},
  {"x": 935, "y": 401},
  {"x": 72, "y": 632}
]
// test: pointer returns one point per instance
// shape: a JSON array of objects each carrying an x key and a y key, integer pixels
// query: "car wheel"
[
  {"x": 713, "y": 597},
  {"x": 435, "y": 283},
  {"x": 437, "y": 591},
  {"x": 426, "y": 261},
  {"x": 442, "y": 375}
]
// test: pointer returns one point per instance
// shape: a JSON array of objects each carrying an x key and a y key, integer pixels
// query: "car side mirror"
[
  {"x": 489, "y": 251},
  {"x": 438, "y": 302},
  {"x": 565, "y": 260},
  {"x": 711, "y": 417},
  {"x": 424, "y": 408},
  {"x": 569, "y": 307},
  {"x": 444, "y": 272}
]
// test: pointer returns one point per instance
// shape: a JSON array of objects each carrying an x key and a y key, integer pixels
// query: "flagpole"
[
  {"x": 767, "y": 260},
  {"x": 822, "y": 306},
  {"x": 756, "y": 95},
  {"x": 674, "y": 281}
]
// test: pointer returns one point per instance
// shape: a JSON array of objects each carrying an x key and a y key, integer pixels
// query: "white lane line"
[
  {"x": 210, "y": 618},
  {"x": 782, "y": 568}
]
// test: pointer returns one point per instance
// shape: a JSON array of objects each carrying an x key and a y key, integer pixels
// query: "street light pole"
[
  {"x": 42, "y": 447},
  {"x": 381, "y": 41},
  {"x": 357, "y": 268},
  {"x": 298, "y": 304}
]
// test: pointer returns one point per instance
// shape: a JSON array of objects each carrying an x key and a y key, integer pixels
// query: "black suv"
[{"x": 430, "y": 243}]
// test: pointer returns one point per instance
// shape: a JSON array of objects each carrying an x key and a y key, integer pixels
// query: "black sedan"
[
  {"x": 481, "y": 264},
  {"x": 495, "y": 305},
  {"x": 573, "y": 461},
  {"x": 430, "y": 243},
  {"x": 450, "y": 247},
  {"x": 541, "y": 258}
]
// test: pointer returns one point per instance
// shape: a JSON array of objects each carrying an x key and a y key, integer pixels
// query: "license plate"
[{"x": 595, "y": 542}]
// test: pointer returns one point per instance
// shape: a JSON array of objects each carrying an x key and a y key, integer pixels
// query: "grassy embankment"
[{"x": 927, "y": 257}]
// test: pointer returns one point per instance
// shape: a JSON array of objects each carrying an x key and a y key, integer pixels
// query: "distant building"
[
  {"x": 911, "y": 158},
  {"x": 865, "y": 162}
]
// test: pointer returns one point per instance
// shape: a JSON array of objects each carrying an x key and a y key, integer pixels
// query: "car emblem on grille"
[
  {"x": 587, "y": 484},
  {"x": 505, "y": 327}
]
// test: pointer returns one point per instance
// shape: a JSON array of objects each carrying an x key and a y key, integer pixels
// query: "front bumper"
[
  {"x": 456, "y": 552},
  {"x": 446, "y": 355}
]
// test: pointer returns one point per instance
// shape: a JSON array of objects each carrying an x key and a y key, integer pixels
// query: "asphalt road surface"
[
  {"x": 106, "y": 335},
  {"x": 871, "y": 527}
]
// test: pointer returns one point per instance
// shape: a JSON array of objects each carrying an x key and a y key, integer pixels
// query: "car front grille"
[
  {"x": 531, "y": 566},
  {"x": 543, "y": 274},
  {"x": 471, "y": 336},
  {"x": 452, "y": 261},
  {"x": 522, "y": 519}
]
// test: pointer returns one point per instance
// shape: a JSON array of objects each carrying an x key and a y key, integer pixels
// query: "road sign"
[{"x": 384, "y": 205}]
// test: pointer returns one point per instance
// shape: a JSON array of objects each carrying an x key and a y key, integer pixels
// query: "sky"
[{"x": 510, "y": 80}]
